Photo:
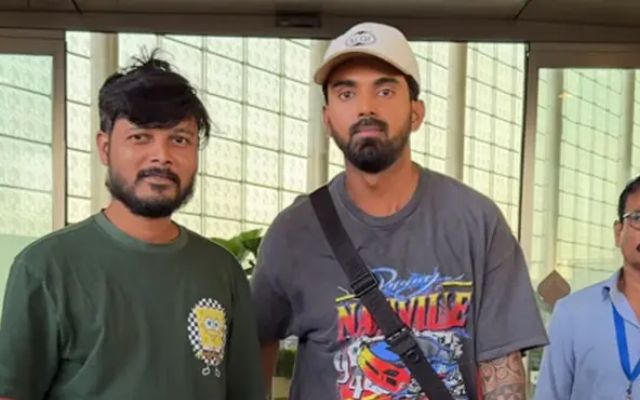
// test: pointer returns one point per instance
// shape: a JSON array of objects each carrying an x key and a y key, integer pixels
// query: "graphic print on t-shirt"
[
  {"x": 433, "y": 306},
  {"x": 207, "y": 329}
]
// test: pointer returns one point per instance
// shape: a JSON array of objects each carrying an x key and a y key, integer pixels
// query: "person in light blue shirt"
[{"x": 595, "y": 332}]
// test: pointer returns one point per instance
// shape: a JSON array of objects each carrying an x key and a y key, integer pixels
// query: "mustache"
[
  {"x": 159, "y": 172},
  {"x": 368, "y": 123}
]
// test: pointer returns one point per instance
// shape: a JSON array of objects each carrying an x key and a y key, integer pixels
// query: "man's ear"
[
  {"x": 617, "y": 231},
  {"x": 103, "y": 141},
  {"x": 417, "y": 114},
  {"x": 326, "y": 120}
]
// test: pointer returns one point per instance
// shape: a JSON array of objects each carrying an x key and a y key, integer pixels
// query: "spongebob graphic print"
[
  {"x": 207, "y": 329},
  {"x": 434, "y": 306}
]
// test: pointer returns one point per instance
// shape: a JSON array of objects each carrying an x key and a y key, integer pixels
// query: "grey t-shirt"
[{"x": 448, "y": 264}]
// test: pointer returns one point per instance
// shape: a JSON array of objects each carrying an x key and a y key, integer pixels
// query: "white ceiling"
[{"x": 451, "y": 19}]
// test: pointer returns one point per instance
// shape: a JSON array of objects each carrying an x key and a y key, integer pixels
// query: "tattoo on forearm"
[{"x": 503, "y": 378}]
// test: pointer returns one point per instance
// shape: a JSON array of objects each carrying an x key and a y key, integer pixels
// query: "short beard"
[
  {"x": 372, "y": 155},
  {"x": 150, "y": 208}
]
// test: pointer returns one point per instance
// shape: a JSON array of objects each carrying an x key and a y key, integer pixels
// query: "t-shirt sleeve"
[
  {"x": 244, "y": 370},
  {"x": 270, "y": 300},
  {"x": 508, "y": 317},
  {"x": 29, "y": 335}
]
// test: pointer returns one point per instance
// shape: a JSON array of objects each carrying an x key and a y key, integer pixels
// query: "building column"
[
  {"x": 552, "y": 167},
  {"x": 457, "y": 101},
  {"x": 318, "y": 148},
  {"x": 104, "y": 62},
  {"x": 625, "y": 144}
]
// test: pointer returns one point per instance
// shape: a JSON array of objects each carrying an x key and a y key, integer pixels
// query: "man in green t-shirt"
[{"x": 127, "y": 304}]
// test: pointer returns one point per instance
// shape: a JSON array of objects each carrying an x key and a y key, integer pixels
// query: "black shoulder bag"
[{"x": 364, "y": 284}]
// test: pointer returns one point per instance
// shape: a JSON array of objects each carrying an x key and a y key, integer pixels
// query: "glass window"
[
  {"x": 493, "y": 128},
  {"x": 26, "y": 157},
  {"x": 79, "y": 134}
]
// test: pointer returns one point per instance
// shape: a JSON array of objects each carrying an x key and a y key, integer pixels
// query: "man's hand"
[{"x": 503, "y": 378}]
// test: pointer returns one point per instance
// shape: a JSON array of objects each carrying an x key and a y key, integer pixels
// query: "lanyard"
[{"x": 623, "y": 349}]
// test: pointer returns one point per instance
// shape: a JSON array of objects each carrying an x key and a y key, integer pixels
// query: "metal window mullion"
[
  {"x": 281, "y": 118},
  {"x": 494, "y": 113},
  {"x": 243, "y": 136},
  {"x": 512, "y": 165},
  {"x": 59, "y": 136},
  {"x": 203, "y": 154}
]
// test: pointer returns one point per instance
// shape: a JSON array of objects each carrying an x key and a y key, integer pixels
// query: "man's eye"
[
  {"x": 139, "y": 138},
  {"x": 346, "y": 95},
  {"x": 181, "y": 140}
]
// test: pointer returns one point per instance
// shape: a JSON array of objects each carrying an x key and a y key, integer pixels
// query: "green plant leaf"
[
  {"x": 285, "y": 363},
  {"x": 252, "y": 245},
  {"x": 242, "y": 246},
  {"x": 252, "y": 233},
  {"x": 233, "y": 245}
]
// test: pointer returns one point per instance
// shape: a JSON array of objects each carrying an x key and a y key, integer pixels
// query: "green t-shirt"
[{"x": 92, "y": 313}]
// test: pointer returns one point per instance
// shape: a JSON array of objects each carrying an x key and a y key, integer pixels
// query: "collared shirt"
[{"x": 582, "y": 362}]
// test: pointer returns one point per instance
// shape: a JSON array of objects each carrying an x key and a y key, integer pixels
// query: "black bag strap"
[{"x": 365, "y": 286}]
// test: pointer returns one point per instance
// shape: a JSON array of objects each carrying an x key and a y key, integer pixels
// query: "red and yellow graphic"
[{"x": 435, "y": 307}]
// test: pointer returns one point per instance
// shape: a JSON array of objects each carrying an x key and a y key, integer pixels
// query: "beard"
[
  {"x": 372, "y": 154},
  {"x": 159, "y": 206}
]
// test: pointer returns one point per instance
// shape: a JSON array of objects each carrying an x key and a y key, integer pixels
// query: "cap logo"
[{"x": 361, "y": 38}]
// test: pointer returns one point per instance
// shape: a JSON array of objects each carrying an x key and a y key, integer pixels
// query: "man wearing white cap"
[{"x": 440, "y": 255}]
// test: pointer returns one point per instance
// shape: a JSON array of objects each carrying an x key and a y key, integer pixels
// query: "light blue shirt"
[{"x": 582, "y": 361}]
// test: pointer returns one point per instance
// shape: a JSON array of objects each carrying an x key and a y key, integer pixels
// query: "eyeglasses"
[{"x": 634, "y": 219}]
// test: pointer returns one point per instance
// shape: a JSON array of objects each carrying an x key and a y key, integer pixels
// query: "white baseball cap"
[{"x": 369, "y": 38}]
